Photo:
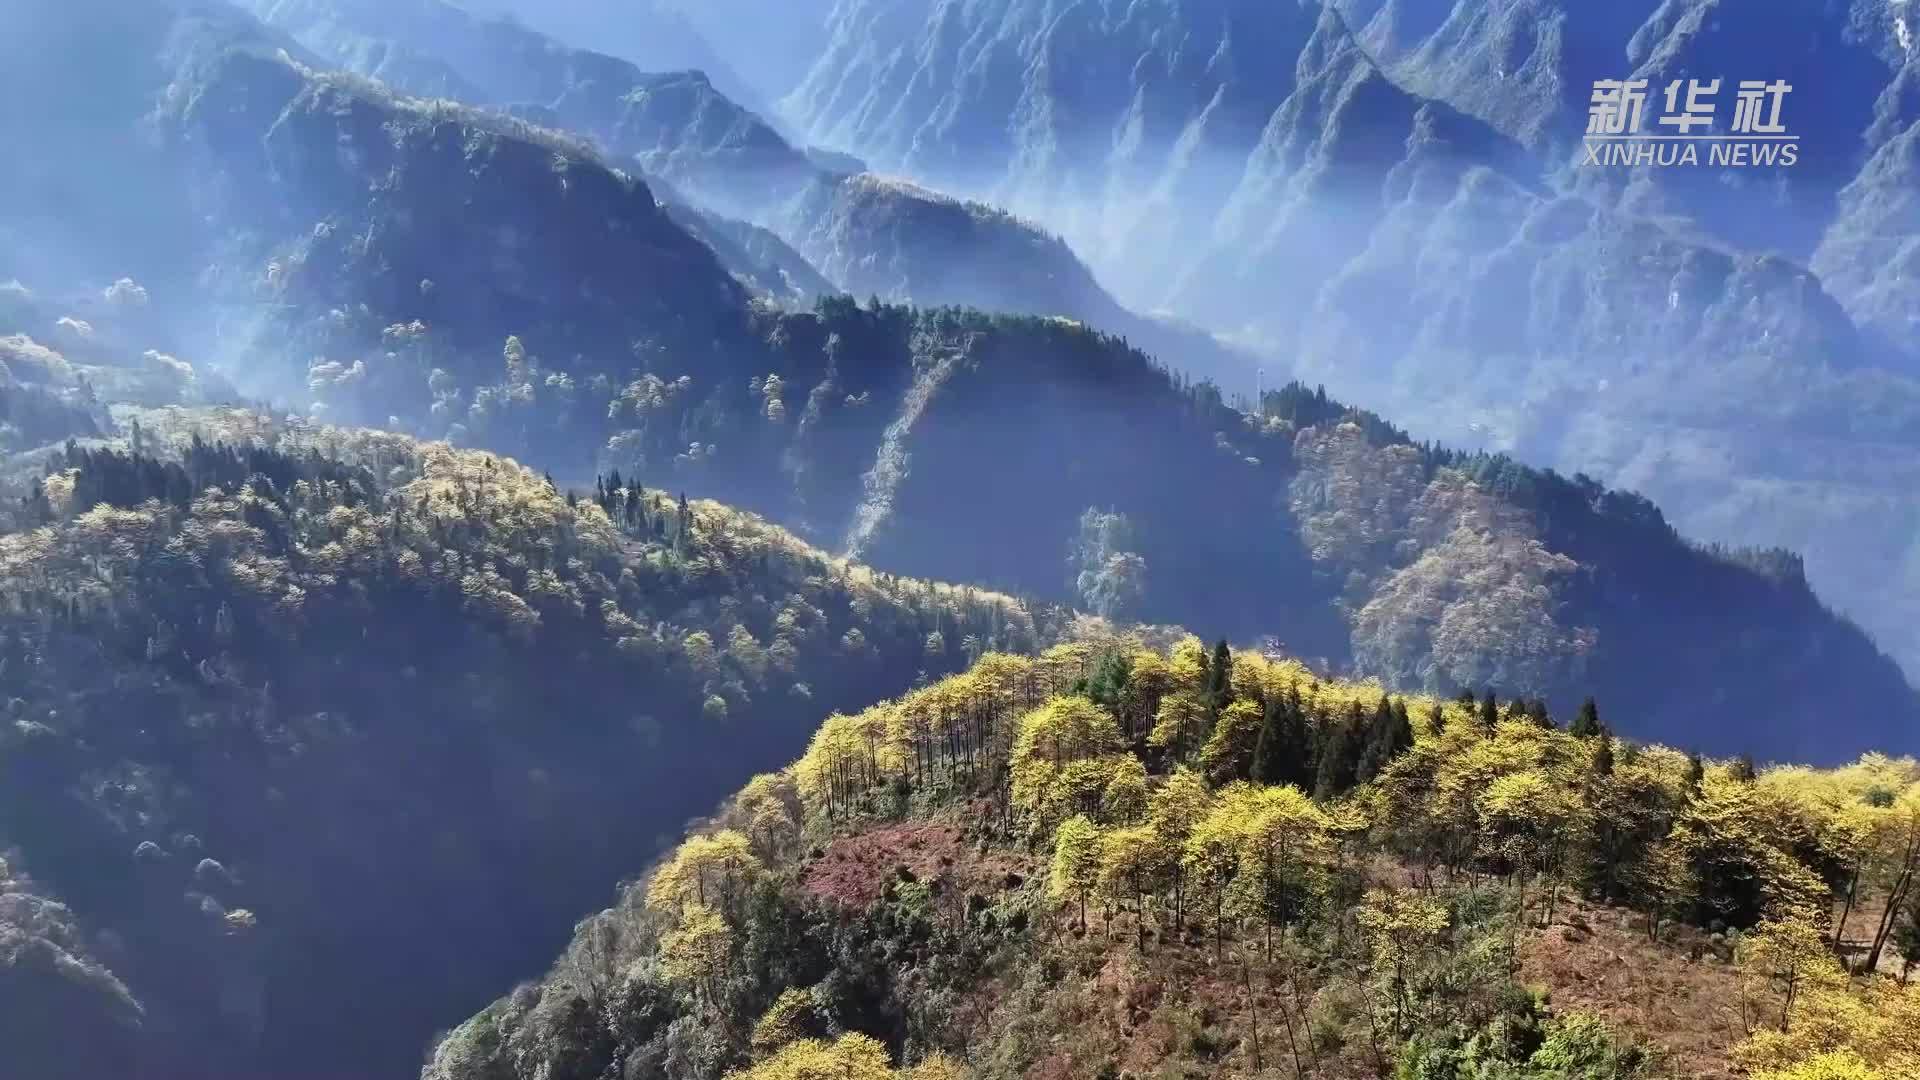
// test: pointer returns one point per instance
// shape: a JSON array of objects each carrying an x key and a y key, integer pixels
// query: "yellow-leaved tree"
[
  {"x": 1076, "y": 862},
  {"x": 1402, "y": 928},
  {"x": 1210, "y": 858},
  {"x": 1287, "y": 844},
  {"x": 713, "y": 870},
  {"x": 1534, "y": 821},
  {"x": 1182, "y": 717},
  {"x": 850, "y": 1057},
  {"x": 1779, "y": 960},
  {"x": 1834, "y": 1028},
  {"x": 1174, "y": 810},
  {"x": 1133, "y": 862},
  {"x": 1064, "y": 754},
  {"x": 696, "y": 953},
  {"x": 1228, "y": 753}
]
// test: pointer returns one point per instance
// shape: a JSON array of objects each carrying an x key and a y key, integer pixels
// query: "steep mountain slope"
[
  {"x": 1103, "y": 862},
  {"x": 771, "y": 42},
  {"x": 884, "y": 237},
  {"x": 655, "y": 35},
  {"x": 315, "y": 737},
  {"x": 1867, "y": 254},
  {"x": 671, "y": 123},
  {"x": 867, "y": 235},
  {"x": 757, "y": 256},
  {"x": 58, "y": 1003},
  {"x": 328, "y": 732},
  {"x": 455, "y": 274},
  {"x": 69, "y": 213},
  {"x": 1389, "y": 201},
  {"x": 1527, "y": 67}
]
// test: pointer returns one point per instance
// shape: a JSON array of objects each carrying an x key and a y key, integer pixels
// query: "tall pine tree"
[
  {"x": 1586, "y": 724},
  {"x": 1283, "y": 754},
  {"x": 1536, "y": 711},
  {"x": 1220, "y": 679},
  {"x": 1603, "y": 755},
  {"x": 1381, "y": 737},
  {"x": 1340, "y": 750}
]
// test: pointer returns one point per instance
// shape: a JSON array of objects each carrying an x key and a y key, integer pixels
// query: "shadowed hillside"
[
  {"x": 330, "y": 732},
  {"x": 456, "y": 274},
  {"x": 1386, "y": 196},
  {"x": 565, "y": 502},
  {"x": 867, "y": 235}
]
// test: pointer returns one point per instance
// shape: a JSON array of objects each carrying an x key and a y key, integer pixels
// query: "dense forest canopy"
[
  {"x": 1113, "y": 860},
  {"x": 462, "y": 274},
  {"x": 1390, "y": 196},
  {"x": 282, "y": 698},
  {"x": 440, "y": 456}
]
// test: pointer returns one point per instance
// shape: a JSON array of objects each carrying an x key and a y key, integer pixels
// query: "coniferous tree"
[
  {"x": 1696, "y": 774},
  {"x": 1586, "y": 724},
  {"x": 1536, "y": 711},
  {"x": 1400, "y": 732},
  {"x": 1743, "y": 769},
  {"x": 1603, "y": 755},
  {"x": 1108, "y": 686},
  {"x": 1220, "y": 678},
  {"x": 1489, "y": 712},
  {"x": 1380, "y": 742},
  {"x": 1340, "y": 751},
  {"x": 1282, "y": 755}
]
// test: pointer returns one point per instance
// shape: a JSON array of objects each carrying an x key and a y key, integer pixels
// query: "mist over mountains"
[
  {"x": 870, "y": 236},
  {"x": 1727, "y": 341},
  {"x": 387, "y": 337},
  {"x": 455, "y": 272}
]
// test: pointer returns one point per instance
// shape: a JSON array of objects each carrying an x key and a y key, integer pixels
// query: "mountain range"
[
  {"x": 1735, "y": 343},
  {"x": 358, "y": 620},
  {"x": 456, "y": 272}
]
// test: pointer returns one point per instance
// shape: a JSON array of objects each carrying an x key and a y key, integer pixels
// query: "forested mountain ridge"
[
  {"x": 672, "y": 123},
  {"x": 1116, "y": 861},
  {"x": 868, "y": 235},
  {"x": 299, "y": 718},
  {"x": 654, "y": 35},
  {"x": 455, "y": 274},
  {"x": 311, "y": 733},
  {"x": 1285, "y": 173}
]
